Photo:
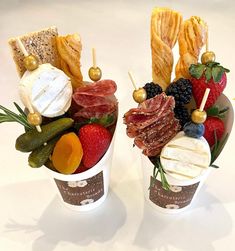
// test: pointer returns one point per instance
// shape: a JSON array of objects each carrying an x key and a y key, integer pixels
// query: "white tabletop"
[{"x": 31, "y": 215}]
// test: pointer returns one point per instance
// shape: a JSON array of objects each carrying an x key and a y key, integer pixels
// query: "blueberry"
[{"x": 194, "y": 130}]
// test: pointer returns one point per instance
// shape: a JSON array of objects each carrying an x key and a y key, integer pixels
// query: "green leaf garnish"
[
  {"x": 217, "y": 147},
  {"x": 106, "y": 121},
  {"x": 212, "y": 64},
  {"x": 212, "y": 111},
  {"x": 196, "y": 70},
  {"x": 208, "y": 74},
  {"x": 215, "y": 166},
  {"x": 9, "y": 116},
  {"x": 215, "y": 111},
  {"x": 210, "y": 70},
  {"x": 217, "y": 73},
  {"x": 158, "y": 168}
]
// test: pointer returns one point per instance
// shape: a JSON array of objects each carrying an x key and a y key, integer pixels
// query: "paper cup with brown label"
[
  {"x": 186, "y": 162},
  {"x": 87, "y": 190}
]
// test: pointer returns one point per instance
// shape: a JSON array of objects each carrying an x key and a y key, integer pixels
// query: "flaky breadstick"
[
  {"x": 192, "y": 38},
  {"x": 165, "y": 27},
  {"x": 69, "y": 48}
]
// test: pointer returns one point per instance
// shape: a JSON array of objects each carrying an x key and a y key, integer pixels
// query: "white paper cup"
[
  {"x": 87, "y": 190},
  {"x": 181, "y": 194}
]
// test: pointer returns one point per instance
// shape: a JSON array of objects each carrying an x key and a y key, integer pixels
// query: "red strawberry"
[
  {"x": 95, "y": 140},
  {"x": 212, "y": 125},
  {"x": 210, "y": 75}
]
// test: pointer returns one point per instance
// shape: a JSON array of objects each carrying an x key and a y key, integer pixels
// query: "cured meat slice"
[
  {"x": 154, "y": 148},
  {"x": 95, "y": 100},
  {"x": 96, "y": 111},
  {"x": 146, "y": 109},
  {"x": 156, "y": 132},
  {"x": 133, "y": 131},
  {"x": 154, "y": 103},
  {"x": 155, "y": 135},
  {"x": 101, "y": 88},
  {"x": 85, "y": 100},
  {"x": 152, "y": 124},
  {"x": 148, "y": 122},
  {"x": 140, "y": 119}
]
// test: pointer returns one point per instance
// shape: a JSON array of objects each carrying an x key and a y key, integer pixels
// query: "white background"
[{"x": 31, "y": 215}]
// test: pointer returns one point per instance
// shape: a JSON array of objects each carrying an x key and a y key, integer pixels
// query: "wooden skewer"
[
  {"x": 132, "y": 80},
  {"x": 30, "y": 108},
  {"x": 94, "y": 58},
  {"x": 204, "y": 99},
  {"x": 207, "y": 39},
  {"x": 135, "y": 87},
  {"x": 22, "y": 48},
  {"x": 26, "y": 96}
]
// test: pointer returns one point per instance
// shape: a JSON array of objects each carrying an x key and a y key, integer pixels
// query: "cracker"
[{"x": 41, "y": 44}]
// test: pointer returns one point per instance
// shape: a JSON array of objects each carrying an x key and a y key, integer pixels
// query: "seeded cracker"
[{"x": 40, "y": 43}]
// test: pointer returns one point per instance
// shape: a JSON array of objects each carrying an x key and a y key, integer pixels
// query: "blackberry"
[
  {"x": 181, "y": 90},
  {"x": 181, "y": 113},
  {"x": 152, "y": 90}
]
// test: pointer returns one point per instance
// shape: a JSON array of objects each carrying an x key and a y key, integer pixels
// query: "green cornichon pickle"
[
  {"x": 33, "y": 139},
  {"x": 39, "y": 156}
]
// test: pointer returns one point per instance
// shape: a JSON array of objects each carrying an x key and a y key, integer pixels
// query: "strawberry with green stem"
[
  {"x": 208, "y": 74},
  {"x": 214, "y": 125}
]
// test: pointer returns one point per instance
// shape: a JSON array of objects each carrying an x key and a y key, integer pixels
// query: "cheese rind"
[
  {"x": 49, "y": 90},
  {"x": 185, "y": 157}
]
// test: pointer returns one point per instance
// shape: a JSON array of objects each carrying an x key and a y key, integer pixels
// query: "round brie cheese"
[
  {"x": 184, "y": 157},
  {"x": 49, "y": 90}
]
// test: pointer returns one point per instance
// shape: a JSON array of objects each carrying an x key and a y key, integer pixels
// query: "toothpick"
[
  {"x": 135, "y": 87},
  {"x": 30, "y": 107},
  {"x": 132, "y": 80},
  {"x": 204, "y": 99},
  {"x": 22, "y": 48},
  {"x": 207, "y": 45},
  {"x": 94, "y": 58}
]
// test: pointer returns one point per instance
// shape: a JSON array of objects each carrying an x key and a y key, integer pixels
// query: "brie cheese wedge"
[
  {"x": 184, "y": 157},
  {"x": 49, "y": 90}
]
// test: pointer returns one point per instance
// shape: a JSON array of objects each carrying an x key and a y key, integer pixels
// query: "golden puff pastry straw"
[
  {"x": 165, "y": 27},
  {"x": 192, "y": 38},
  {"x": 69, "y": 48}
]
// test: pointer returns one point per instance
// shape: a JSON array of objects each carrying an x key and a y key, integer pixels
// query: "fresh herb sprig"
[
  {"x": 9, "y": 116},
  {"x": 158, "y": 169}
]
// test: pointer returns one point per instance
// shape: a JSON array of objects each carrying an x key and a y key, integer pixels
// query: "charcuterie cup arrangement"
[
  {"x": 181, "y": 125},
  {"x": 68, "y": 123}
]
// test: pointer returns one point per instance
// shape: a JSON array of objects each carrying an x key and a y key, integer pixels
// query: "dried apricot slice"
[{"x": 67, "y": 153}]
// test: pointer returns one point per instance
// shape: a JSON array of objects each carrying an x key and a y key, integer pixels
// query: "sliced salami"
[
  {"x": 85, "y": 100},
  {"x": 96, "y": 99},
  {"x": 96, "y": 111},
  {"x": 152, "y": 124},
  {"x": 101, "y": 88}
]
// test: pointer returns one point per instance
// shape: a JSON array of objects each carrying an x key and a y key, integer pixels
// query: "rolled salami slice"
[
  {"x": 152, "y": 124},
  {"x": 85, "y": 100},
  {"x": 101, "y": 88},
  {"x": 96, "y": 111}
]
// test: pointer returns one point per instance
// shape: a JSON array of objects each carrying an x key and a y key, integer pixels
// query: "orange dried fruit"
[{"x": 67, "y": 154}]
